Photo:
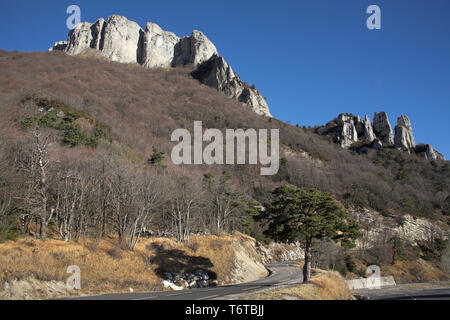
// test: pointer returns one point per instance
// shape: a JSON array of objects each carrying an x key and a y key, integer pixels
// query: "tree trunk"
[
  {"x": 307, "y": 265},
  {"x": 43, "y": 231}
]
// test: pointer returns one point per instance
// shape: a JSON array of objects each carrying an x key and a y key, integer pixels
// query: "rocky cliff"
[
  {"x": 351, "y": 131},
  {"x": 121, "y": 40}
]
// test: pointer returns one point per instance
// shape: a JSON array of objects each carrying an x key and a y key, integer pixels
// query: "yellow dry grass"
[
  {"x": 325, "y": 285},
  {"x": 105, "y": 267},
  {"x": 414, "y": 271}
]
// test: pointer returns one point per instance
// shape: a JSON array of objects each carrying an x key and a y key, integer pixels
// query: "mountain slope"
[{"x": 142, "y": 108}]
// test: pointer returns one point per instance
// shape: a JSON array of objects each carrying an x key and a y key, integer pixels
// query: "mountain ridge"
[{"x": 121, "y": 40}]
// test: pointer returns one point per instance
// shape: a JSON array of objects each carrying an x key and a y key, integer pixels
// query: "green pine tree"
[{"x": 302, "y": 215}]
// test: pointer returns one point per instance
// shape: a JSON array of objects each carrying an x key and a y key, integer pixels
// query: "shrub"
[{"x": 350, "y": 263}]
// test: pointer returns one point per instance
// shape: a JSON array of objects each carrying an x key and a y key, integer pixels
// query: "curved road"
[{"x": 281, "y": 274}]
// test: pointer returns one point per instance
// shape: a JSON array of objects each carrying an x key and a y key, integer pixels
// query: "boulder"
[
  {"x": 382, "y": 129},
  {"x": 404, "y": 138}
]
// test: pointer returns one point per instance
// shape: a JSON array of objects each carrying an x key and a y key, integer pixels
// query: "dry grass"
[
  {"x": 414, "y": 271},
  {"x": 325, "y": 285},
  {"x": 106, "y": 268}
]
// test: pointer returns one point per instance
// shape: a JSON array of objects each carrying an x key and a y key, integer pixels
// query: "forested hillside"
[{"x": 85, "y": 151}]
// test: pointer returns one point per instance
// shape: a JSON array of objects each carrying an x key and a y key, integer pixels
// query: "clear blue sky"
[{"x": 312, "y": 59}]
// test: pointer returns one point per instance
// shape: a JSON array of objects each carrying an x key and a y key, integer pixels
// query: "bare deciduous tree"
[{"x": 35, "y": 162}]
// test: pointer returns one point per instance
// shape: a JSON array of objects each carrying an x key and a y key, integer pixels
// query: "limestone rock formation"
[
  {"x": 347, "y": 129},
  {"x": 216, "y": 73},
  {"x": 347, "y": 133},
  {"x": 195, "y": 50},
  {"x": 159, "y": 47},
  {"x": 85, "y": 35},
  {"x": 382, "y": 129},
  {"x": 58, "y": 46},
  {"x": 428, "y": 152},
  {"x": 368, "y": 130},
  {"x": 404, "y": 138},
  {"x": 121, "y": 40},
  {"x": 352, "y": 132}
]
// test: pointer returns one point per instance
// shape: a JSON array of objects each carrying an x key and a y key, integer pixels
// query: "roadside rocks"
[{"x": 189, "y": 280}]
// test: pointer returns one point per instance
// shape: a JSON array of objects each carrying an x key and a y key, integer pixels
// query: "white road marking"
[
  {"x": 177, "y": 294},
  {"x": 204, "y": 298},
  {"x": 252, "y": 288},
  {"x": 146, "y": 298}
]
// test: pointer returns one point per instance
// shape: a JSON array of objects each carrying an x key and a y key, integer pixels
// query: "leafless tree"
[
  {"x": 136, "y": 195},
  {"x": 36, "y": 163},
  {"x": 186, "y": 195},
  {"x": 71, "y": 192}
]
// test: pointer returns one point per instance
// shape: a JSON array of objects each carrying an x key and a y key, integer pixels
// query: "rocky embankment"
[
  {"x": 31, "y": 269},
  {"x": 379, "y": 228}
]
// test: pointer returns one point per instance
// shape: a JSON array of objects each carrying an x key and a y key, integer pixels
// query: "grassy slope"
[{"x": 105, "y": 268}]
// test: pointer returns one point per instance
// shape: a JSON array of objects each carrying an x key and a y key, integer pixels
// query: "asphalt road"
[
  {"x": 281, "y": 274},
  {"x": 405, "y": 292}
]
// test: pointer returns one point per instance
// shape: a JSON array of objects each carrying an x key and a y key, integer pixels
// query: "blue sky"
[{"x": 312, "y": 59}]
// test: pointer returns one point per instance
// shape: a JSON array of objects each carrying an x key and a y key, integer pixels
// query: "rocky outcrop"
[
  {"x": 382, "y": 129},
  {"x": 351, "y": 131},
  {"x": 404, "y": 138},
  {"x": 347, "y": 134},
  {"x": 58, "y": 46},
  {"x": 428, "y": 152},
  {"x": 121, "y": 40},
  {"x": 85, "y": 35},
  {"x": 378, "y": 228},
  {"x": 348, "y": 129},
  {"x": 216, "y": 73},
  {"x": 195, "y": 49},
  {"x": 368, "y": 130},
  {"x": 159, "y": 47}
]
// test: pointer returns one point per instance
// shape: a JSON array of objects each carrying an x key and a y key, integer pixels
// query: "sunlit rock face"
[
  {"x": 121, "y": 40},
  {"x": 404, "y": 138}
]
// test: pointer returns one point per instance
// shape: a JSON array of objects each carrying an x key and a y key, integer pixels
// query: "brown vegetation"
[
  {"x": 325, "y": 285},
  {"x": 107, "y": 268}
]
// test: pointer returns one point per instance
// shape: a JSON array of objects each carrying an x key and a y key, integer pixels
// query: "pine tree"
[{"x": 297, "y": 214}]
